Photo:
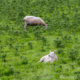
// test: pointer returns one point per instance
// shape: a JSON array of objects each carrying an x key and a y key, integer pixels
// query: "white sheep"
[
  {"x": 49, "y": 58},
  {"x": 32, "y": 20}
]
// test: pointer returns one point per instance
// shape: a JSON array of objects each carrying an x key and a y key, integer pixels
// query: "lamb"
[
  {"x": 32, "y": 20},
  {"x": 49, "y": 58}
]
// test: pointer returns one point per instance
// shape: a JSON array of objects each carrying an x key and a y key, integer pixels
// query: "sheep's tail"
[{"x": 41, "y": 60}]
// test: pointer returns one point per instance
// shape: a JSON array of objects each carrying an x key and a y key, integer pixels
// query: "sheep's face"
[
  {"x": 53, "y": 55},
  {"x": 46, "y": 26}
]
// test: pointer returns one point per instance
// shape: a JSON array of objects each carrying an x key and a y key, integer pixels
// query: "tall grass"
[{"x": 20, "y": 50}]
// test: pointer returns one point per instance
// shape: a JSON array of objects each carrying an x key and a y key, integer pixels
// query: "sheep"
[
  {"x": 50, "y": 57},
  {"x": 32, "y": 20}
]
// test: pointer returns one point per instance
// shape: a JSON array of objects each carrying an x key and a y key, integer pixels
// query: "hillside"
[{"x": 20, "y": 49}]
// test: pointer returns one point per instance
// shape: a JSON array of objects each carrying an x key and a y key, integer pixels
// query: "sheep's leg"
[{"x": 25, "y": 25}]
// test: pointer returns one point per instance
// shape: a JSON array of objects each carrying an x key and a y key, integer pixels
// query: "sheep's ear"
[{"x": 55, "y": 51}]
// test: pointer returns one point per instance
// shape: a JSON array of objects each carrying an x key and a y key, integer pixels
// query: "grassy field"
[{"x": 20, "y": 50}]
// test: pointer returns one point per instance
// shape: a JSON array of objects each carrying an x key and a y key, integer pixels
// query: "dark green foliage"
[
  {"x": 73, "y": 54},
  {"x": 24, "y": 60},
  {"x": 59, "y": 43},
  {"x": 30, "y": 45},
  {"x": 7, "y": 71},
  {"x": 3, "y": 57},
  {"x": 77, "y": 77}
]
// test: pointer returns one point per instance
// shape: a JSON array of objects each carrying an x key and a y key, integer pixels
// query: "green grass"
[{"x": 20, "y": 50}]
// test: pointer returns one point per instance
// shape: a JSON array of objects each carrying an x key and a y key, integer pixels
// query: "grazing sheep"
[
  {"x": 32, "y": 20},
  {"x": 49, "y": 58}
]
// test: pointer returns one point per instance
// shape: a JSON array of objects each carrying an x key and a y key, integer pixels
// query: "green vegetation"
[{"x": 20, "y": 50}]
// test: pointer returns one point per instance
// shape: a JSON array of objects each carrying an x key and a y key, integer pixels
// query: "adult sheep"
[
  {"x": 49, "y": 58},
  {"x": 32, "y": 20}
]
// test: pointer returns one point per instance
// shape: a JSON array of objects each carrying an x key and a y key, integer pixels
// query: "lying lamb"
[
  {"x": 32, "y": 20},
  {"x": 49, "y": 58}
]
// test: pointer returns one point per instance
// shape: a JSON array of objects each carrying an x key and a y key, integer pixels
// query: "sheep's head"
[
  {"x": 53, "y": 55},
  {"x": 46, "y": 26}
]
